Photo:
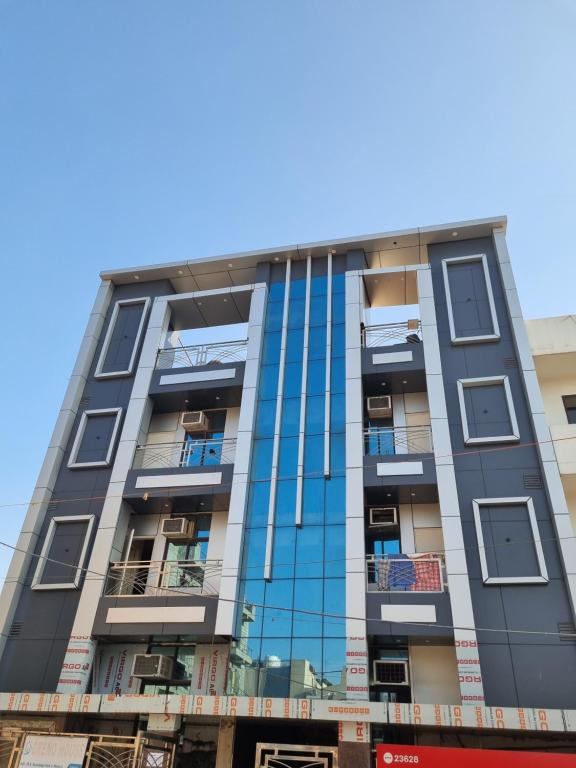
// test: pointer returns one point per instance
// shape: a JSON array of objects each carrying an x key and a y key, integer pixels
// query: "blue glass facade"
[{"x": 281, "y": 650}]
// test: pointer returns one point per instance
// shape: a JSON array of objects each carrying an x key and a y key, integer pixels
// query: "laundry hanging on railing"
[{"x": 409, "y": 573}]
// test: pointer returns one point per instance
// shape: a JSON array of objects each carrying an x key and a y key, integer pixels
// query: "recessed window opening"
[
  {"x": 61, "y": 562},
  {"x": 570, "y": 408}
]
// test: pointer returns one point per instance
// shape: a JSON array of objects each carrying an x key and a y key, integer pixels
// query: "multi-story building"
[{"x": 314, "y": 483}]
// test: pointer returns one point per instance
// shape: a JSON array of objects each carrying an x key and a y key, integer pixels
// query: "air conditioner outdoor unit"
[
  {"x": 382, "y": 516},
  {"x": 194, "y": 421},
  {"x": 175, "y": 527},
  {"x": 152, "y": 666},
  {"x": 380, "y": 407},
  {"x": 391, "y": 672}
]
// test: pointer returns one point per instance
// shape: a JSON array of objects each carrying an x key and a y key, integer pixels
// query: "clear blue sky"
[{"x": 137, "y": 131}]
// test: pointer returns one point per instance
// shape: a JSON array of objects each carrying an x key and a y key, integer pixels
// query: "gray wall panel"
[{"x": 509, "y": 661}]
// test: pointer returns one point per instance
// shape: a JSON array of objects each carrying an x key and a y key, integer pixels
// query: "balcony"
[
  {"x": 159, "y": 597},
  {"x": 391, "y": 334},
  {"x": 147, "y": 578},
  {"x": 195, "y": 465},
  {"x": 406, "y": 573},
  {"x": 393, "y": 441},
  {"x": 201, "y": 371},
  {"x": 397, "y": 455},
  {"x": 395, "y": 351},
  {"x": 213, "y": 355}
]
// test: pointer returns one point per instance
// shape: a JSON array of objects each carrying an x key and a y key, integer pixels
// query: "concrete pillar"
[
  {"x": 226, "y": 734},
  {"x": 354, "y": 745}
]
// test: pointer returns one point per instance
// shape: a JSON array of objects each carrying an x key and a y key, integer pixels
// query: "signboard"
[
  {"x": 77, "y": 665},
  {"x": 39, "y": 751},
  {"x": 356, "y": 668},
  {"x": 114, "y": 673},
  {"x": 210, "y": 670},
  {"x": 392, "y": 755}
]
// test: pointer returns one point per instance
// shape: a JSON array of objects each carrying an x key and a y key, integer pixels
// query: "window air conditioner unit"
[
  {"x": 194, "y": 421},
  {"x": 175, "y": 528},
  {"x": 380, "y": 407},
  {"x": 152, "y": 666},
  {"x": 391, "y": 672},
  {"x": 382, "y": 516}
]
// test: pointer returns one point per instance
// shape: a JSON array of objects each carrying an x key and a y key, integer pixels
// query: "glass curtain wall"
[{"x": 289, "y": 648}]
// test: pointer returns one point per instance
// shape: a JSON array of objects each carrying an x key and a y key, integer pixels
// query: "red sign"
[{"x": 394, "y": 756}]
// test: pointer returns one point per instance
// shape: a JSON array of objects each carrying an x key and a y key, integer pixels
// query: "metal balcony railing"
[
  {"x": 148, "y": 578},
  {"x": 392, "y": 441},
  {"x": 406, "y": 573},
  {"x": 392, "y": 333},
  {"x": 192, "y": 453},
  {"x": 202, "y": 354}
]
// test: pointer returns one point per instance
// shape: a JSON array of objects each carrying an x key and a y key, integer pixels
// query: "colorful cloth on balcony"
[
  {"x": 401, "y": 573},
  {"x": 428, "y": 575},
  {"x": 409, "y": 573}
]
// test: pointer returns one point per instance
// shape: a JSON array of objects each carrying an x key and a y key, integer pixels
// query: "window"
[
  {"x": 188, "y": 556},
  {"x": 469, "y": 300},
  {"x": 64, "y": 553},
  {"x": 509, "y": 541},
  {"x": 95, "y": 439},
  {"x": 122, "y": 338},
  {"x": 183, "y": 657},
  {"x": 570, "y": 408},
  {"x": 487, "y": 410}
]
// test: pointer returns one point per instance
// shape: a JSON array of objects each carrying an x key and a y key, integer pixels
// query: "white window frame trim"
[
  {"x": 72, "y": 461},
  {"x": 43, "y": 558},
  {"x": 98, "y": 373},
  {"x": 486, "y": 381},
  {"x": 495, "y": 336},
  {"x": 527, "y": 502}
]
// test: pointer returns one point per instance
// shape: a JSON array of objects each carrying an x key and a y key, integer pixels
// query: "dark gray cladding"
[
  {"x": 33, "y": 657},
  {"x": 519, "y": 670}
]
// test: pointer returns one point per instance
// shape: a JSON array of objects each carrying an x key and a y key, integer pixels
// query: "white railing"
[
  {"x": 392, "y": 441},
  {"x": 406, "y": 573},
  {"x": 392, "y": 333},
  {"x": 202, "y": 354},
  {"x": 148, "y": 578},
  {"x": 191, "y": 453}
]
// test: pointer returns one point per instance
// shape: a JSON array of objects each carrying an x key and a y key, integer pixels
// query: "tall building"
[{"x": 299, "y": 503}]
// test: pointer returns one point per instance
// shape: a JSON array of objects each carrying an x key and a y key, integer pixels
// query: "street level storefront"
[{"x": 442, "y": 757}]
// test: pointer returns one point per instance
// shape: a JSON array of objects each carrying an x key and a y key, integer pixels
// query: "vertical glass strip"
[
  {"x": 302, "y": 428},
  {"x": 328, "y": 368},
  {"x": 277, "y": 425}
]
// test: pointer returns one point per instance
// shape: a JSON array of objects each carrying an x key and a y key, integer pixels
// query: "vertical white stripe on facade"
[
  {"x": 303, "y": 393},
  {"x": 240, "y": 482},
  {"x": 28, "y": 538},
  {"x": 356, "y": 640},
  {"x": 277, "y": 426},
  {"x": 328, "y": 368},
  {"x": 465, "y": 640},
  {"x": 554, "y": 487}
]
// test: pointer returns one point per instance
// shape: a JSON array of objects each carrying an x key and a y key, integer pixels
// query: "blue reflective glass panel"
[
  {"x": 317, "y": 342},
  {"x": 338, "y": 452},
  {"x": 292, "y": 379},
  {"x": 249, "y": 617},
  {"x": 268, "y": 382},
  {"x": 262, "y": 459},
  {"x": 258, "y": 504},
  {"x": 338, "y": 376},
  {"x": 335, "y": 551},
  {"x": 338, "y": 308},
  {"x": 334, "y": 661},
  {"x": 314, "y": 456},
  {"x": 308, "y": 597},
  {"x": 279, "y": 595},
  {"x": 294, "y": 345},
  {"x": 298, "y": 288},
  {"x": 274, "y": 314},
  {"x": 313, "y": 501},
  {"x": 274, "y": 677},
  {"x": 337, "y": 413},
  {"x": 335, "y": 491},
  {"x": 319, "y": 285},
  {"x": 335, "y": 606},
  {"x": 316, "y": 377},
  {"x": 276, "y": 292},
  {"x": 265, "y": 418},
  {"x": 296, "y": 310},
  {"x": 271, "y": 348},
  {"x": 306, "y": 675},
  {"x": 288, "y": 460},
  {"x": 339, "y": 283},
  {"x": 318, "y": 306},
  {"x": 338, "y": 340},
  {"x": 315, "y": 415},
  {"x": 290, "y": 426},
  {"x": 285, "y": 502},
  {"x": 254, "y": 549},
  {"x": 309, "y": 551},
  {"x": 283, "y": 552}
]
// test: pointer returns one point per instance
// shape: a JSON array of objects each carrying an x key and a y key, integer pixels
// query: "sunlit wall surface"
[{"x": 288, "y": 648}]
